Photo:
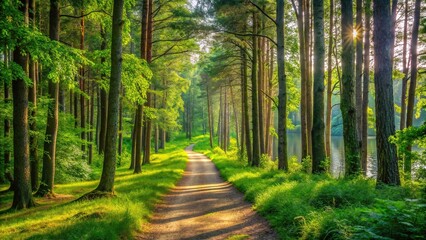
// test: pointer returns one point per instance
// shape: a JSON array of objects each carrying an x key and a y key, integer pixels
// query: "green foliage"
[
  {"x": 304, "y": 206},
  {"x": 408, "y": 137}
]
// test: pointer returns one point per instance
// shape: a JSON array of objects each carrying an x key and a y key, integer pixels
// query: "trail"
[{"x": 203, "y": 206}]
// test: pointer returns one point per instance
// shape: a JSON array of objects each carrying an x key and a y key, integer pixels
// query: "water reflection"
[{"x": 337, "y": 163}]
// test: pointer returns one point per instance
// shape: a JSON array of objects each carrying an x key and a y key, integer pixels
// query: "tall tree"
[
  {"x": 139, "y": 111},
  {"x": 32, "y": 98},
  {"x": 387, "y": 164},
  {"x": 358, "y": 33},
  {"x": 318, "y": 146},
  {"x": 413, "y": 80},
  {"x": 103, "y": 101},
  {"x": 365, "y": 85},
  {"x": 329, "y": 82},
  {"x": 106, "y": 183},
  {"x": 22, "y": 197},
  {"x": 149, "y": 101},
  {"x": 352, "y": 150},
  {"x": 49, "y": 150},
  {"x": 282, "y": 94},
  {"x": 403, "y": 115},
  {"x": 254, "y": 99}
]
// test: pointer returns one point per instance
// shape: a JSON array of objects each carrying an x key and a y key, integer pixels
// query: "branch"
[
  {"x": 263, "y": 12},
  {"x": 251, "y": 34},
  {"x": 168, "y": 53},
  {"x": 87, "y": 14},
  {"x": 266, "y": 95},
  {"x": 295, "y": 9},
  {"x": 171, "y": 40}
]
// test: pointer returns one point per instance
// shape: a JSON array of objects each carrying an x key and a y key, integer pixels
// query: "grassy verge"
[
  {"x": 303, "y": 206},
  {"x": 116, "y": 218}
]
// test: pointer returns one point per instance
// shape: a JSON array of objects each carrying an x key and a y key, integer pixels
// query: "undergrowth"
[
  {"x": 113, "y": 218},
  {"x": 304, "y": 206}
]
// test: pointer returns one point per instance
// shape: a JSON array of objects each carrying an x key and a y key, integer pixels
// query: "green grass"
[
  {"x": 303, "y": 206},
  {"x": 117, "y": 218}
]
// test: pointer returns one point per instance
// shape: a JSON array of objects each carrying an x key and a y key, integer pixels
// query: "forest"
[{"x": 213, "y": 119}]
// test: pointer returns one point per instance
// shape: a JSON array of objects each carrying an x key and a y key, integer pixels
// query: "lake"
[{"x": 337, "y": 163}]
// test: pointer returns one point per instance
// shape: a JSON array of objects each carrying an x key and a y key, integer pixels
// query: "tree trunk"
[
  {"x": 403, "y": 115},
  {"x": 308, "y": 96},
  {"x": 6, "y": 154},
  {"x": 350, "y": 137},
  {"x": 318, "y": 147},
  {"x": 22, "y": 197},
  {"x": 32, "y": 98},
  {"x": 329, "y": 83},
  {"x": 387, "y": 164},
  {"x": 413, "y": 81},
  {"x": 120, "y": 124},
  {"x": 138, "y": 144},
  {"x": 358, "y": 69},
  {"x": 91, "y": 120},
  {"x": 282, "y": 94},
  {"x": 365, "y": 86},
  {"x": 134, "y": 141},
  {"x": 254, "y": 98},
  {"x": 103, "y": 102},
  {"x": 49, "y": 150},
  {"x": 303, "y": 75},
  {"x": 246, "y": 107},
  {"x": 106, "y": 183},
  {"x": 148, "y": 122},
  {"x": 210, "y": 118},
  {"x": 82, "y": 86}
]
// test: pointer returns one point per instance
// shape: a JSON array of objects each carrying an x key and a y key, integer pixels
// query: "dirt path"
[{"x": 203, "y": 206}]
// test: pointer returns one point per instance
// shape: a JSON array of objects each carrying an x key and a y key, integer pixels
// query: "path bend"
[{"x": 203, "y": 206}]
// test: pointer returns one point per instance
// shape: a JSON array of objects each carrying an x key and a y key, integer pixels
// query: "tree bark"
[
  {"x": 246, "y": 106},
  {"x": 209, "y": 111},
  {"x": 6, "y": 154},
  {"x": 365, "y": 86},
  {"x": 387, "y": 164},
  {"x": 148, "y": 122},
  {"x": 303, "y": 75},
  {"x": 120, "y": 124},
  {"x": 282, "y": 94},
  {"x": 103, "y": 102},
  {"x": 82, "y": 86},
  {"x": 308, "y": 96},
  {"x": 254, "y": 98},
  {"x": 358, "y": 68},
  {"x": 49, "y": 150},
  {"x": 32, "y": 98},
  {"x": 106, "y": 183},
  {"x": 350, "y": 137},
  {"x": 329, "y": 83},
  {"x": 413, "y": 81},
  {"x": 318, "y": 145},
  {"x": 403, "y": 115},
  {"x": 22, "y": 197}
]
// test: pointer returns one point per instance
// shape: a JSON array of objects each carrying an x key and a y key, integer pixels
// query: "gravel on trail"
[{"x": 204, "y": 206}]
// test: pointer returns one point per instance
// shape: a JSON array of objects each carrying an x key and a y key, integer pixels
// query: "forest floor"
[
  {"x": 114, "y": 218},
  {"x": 204, "y": 206}
]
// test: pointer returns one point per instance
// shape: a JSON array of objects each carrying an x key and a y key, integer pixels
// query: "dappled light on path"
[{"x": 203, "y": 206}]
